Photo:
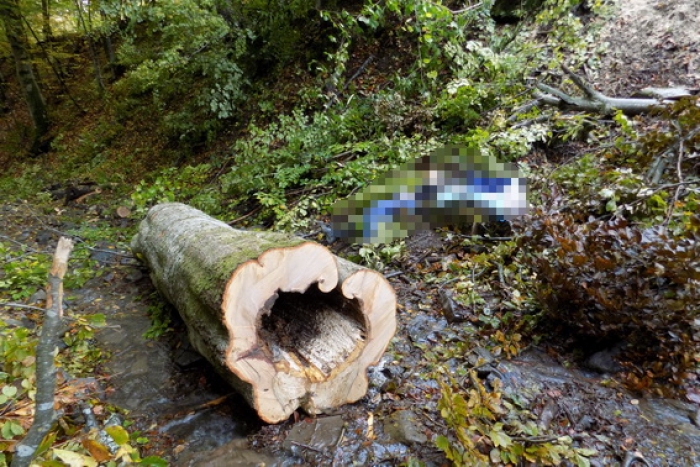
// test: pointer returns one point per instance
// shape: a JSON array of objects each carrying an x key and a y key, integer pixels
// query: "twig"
[
  {"x": 679, "y": 172},
  {"x": 19, "y": 305},
  {"x": 595, "y": 101},
  {"x": 306, "y": 446},
  {"x": 45, "y": 368},
  {"x": 464, "y": 10},
  {"x": 20, "y": 244},
  {"x": 235, "y": 221},
  {"x": 358, "y": 72},
  {"x": 393, "y": 274},
  {"x": 535, "y": 439}
]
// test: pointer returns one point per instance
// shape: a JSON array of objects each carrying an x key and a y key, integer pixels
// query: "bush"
[{"x": 614, "y": 282}]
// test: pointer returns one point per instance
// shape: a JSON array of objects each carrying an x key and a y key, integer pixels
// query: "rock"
[
  {"x": 233, "y": 454},
  {"x": 317, "y": 434},
  {"x": 38, "y": 296},
  {"x": 403, "y": 426},
  {"x": 605, "y": 361}
]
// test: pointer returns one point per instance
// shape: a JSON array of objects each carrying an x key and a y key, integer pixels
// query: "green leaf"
[
  {"x": 118, "y": 434},
  {"x": 153, "y": 461},
  {"x": 97, "y": 320},
  {"x": 442, "y": 443},
  {"x": 9, "y": 391},
  {"x": 499, "y": 438}
]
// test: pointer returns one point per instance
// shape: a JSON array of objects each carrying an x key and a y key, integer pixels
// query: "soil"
[{"x": 652, "y": 43}]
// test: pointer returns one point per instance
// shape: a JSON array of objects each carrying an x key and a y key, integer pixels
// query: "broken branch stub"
[{"x": 287, "y": 323}]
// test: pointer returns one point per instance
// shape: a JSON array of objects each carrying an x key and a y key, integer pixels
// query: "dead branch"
[
  {"x": 45, "y": 369},
  {"x": 595, "y": 101}
]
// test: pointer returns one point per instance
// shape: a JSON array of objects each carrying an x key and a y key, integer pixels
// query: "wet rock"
[
  {"x": 480, "y": 357},
  {"x": 134, "y": 276},
  {"x": 46, "y": 237},
  {"x": 106, "y": 253},
  {"x": 422, "y": 328},
  {"x": 233, "y": 454},
  {"x": 388, "y": 452},
  {"x": 38, "y": 296},
  {"x": 605, "y": 361},
  {"x": 185, "y": 356},
  {"x": 316, "y": 434},
  {"x": 451, "y": 309},
  {"x": 403, "y": 426},
  {"x": 585, "y": 423}
]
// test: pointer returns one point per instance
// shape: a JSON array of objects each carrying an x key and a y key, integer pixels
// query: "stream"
[{"x": 192, "y": 418}]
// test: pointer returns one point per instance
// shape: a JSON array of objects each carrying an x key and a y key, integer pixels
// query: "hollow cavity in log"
[{"x": 312, "y": 332}]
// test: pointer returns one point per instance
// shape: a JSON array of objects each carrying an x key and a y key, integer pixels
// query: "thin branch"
[
  {"x": 19, "y": 305},
  {"x": 359, "y": 71}
]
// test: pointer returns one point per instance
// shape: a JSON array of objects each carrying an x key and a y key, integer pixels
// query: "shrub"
[{"x": 613, "y": 281}]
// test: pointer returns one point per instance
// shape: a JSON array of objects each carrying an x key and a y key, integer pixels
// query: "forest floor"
[{"x": 191, "y": 417}]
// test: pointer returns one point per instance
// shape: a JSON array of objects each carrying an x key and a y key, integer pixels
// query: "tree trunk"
[
  {"x": 46, "y": 21},
  {"x": 286, "y": 322},
  {"x": 12, "y": 20},
  {"x": 91, "y": 48}
]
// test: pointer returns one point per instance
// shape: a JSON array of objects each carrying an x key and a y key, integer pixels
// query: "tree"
[{"x": 12, "y": 20}]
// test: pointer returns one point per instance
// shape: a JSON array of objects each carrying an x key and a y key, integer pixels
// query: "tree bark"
[
  {"x": 287, "y": 323},
  {"x": 12, "y": 20}
]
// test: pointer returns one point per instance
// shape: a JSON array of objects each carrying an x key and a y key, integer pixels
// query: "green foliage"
[
  {"x": 172, "y": 47},
  {"x": 82, "y": 355},
  {"x": 22, "y": 186},
  {"x": 17, "y": 347},
  {"x": 302, "y": 164},
  {"x": 186, "y": 184},
  {"x": 379, "y": 256},
  {"x": 161, "y": 320},
  {"x": 24, "y": 273},
  {"x": 486, "y": 431}
]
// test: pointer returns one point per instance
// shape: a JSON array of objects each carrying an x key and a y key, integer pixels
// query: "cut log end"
[{"x": 312, "y": 334}]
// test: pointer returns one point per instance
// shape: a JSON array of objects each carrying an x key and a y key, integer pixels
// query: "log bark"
[{"x": 287, "y": 323}]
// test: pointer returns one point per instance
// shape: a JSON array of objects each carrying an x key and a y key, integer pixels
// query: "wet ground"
[{"x": 193, "y": 418}]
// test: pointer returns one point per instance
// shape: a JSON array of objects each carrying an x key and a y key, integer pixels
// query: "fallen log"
[{"x": 287, "y": 323}]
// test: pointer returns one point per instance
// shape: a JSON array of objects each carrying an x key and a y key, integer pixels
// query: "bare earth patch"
[{"x": 651, "y": 43}]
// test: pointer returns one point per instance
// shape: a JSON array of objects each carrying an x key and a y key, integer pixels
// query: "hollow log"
[{"x": 287, "y": 323}]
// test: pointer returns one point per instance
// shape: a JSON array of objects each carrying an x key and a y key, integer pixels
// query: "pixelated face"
[{"x": 452, "y": 185}]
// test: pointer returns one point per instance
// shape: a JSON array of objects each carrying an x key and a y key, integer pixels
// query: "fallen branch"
[
  {"x": 595, "y": 101},
  {"x": 45, "y": 368}
]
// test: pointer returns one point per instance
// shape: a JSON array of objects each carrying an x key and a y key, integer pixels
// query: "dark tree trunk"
[{"x": 12, "y": 20}]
